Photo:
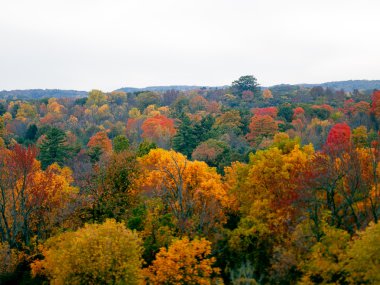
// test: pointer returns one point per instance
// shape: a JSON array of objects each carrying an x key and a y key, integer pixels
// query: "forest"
[{"x": 234, "y": 185}]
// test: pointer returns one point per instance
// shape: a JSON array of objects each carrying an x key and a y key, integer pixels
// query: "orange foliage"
[
  {"x": 193, "y": 191},
  {"x": 159, "y": 129},
  {"x": 101, "y": 140},
  {"x": 184, "y": 262}
]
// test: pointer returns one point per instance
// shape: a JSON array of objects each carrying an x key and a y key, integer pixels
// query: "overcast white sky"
[{"x": 107, "y": 44}]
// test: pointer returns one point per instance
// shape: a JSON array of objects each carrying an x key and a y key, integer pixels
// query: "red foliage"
[
  {"x": 375, "y": 108},
  {"x": 299, "y": 111},
  {"x": 339, "y": 138},
  {"x": 323, "y": 106},
  {"x": 261, "y": 126},
  {"x": 270, "y": 111},
  {"x": 159, "y": 129}
]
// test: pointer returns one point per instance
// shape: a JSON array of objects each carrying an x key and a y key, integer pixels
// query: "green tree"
[
  {"x": 185, "y": 140},
  {"x": 145, "y": 147},
  {"x": 54, "y": 148},
  {"x": 31, "y": 133},
  {"x": 2, "y": 109},
  {"x": 246, "y": 83},
  {"x": 120, "y": 143}
]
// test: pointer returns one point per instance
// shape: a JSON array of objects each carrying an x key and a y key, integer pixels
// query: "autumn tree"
[
  {"x": 159, "y": 129},
  {"x": 116, "y": 191},
  {"x": 261, "y": 126},
  {"x": 339, "y": 138},
  {"x": 375, "y": 106},
  {"x": 363, "y": 257},
  {"x": 267, "y": 94},
  {"x": 32, "y": 200},
  {"x": 99, "y": 144},
  {"x": 215, "y": 153},
  {"x": 184, "y": 262},
  {"x": 114, "y": 252},
  {"x": 192, "y": 192}
]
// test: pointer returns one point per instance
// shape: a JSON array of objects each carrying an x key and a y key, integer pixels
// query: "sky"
[{"x": 108, "y": 44}]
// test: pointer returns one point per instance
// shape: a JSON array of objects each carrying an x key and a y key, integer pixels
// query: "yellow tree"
[
  {"x": 184, "y": 262},
  {"x": 96, "y": 254},
  {"x": 363, "y": 257},
  {"x": 266, "y": 194},
  {"x": 192, "y": 191}
]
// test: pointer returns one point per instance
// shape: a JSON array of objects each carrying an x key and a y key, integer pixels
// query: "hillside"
[{"x": 41, "y": 93}]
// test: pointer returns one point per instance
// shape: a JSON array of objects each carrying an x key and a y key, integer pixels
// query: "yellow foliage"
[
  {"x": 96, "y": 254},
  {"x": 184, "y": 262},
  {"x": 363, "y": 257},
  {"x": 9, "y": 259},
  {"x": 193, "y": 191}
]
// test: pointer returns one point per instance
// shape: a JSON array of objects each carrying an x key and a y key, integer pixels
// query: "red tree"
[{"x": 339, "y": 138}]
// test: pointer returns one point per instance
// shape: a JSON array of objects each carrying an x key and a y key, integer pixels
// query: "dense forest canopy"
[{"x": 240, "y": 184}]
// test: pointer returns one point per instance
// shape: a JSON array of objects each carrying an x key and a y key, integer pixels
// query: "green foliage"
[
  {"x": 120, "y": 143},
  {"x": 245, "y": 83},
  {"x": 54, "y": 148},
  {"x": 286, "y": 112},
  {"x": 31, "y": 133},
  {"x": 145, "y": 147},
  {"x": 2, "y": 109}
]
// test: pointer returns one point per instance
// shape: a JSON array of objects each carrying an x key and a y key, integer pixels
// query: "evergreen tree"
[
  {"x": 185, "y": 140},
  {"x": 31, "y": 133},
  {"x": 54, "y": 148}
]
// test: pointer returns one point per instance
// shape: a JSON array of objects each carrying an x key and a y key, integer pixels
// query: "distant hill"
[
  {"x": 166, "y": 88},
  {"x": 349, "y": 85},
  {"x": 41, "y": 93}
]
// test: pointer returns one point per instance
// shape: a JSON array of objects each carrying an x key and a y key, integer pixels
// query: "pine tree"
[
  {"x": 185, "y": 140},
  {"x": 54, "y": 148}
]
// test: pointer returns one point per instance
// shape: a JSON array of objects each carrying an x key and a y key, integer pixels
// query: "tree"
[
  {"x": 31, "y": 199},
  {"x": 54, "y": 148},
  {"x": 159, "y": 129},
  {"x": 145, "y": 147},
  {"x": 184, "y": 262},
  {"x": 99, "y": 144},
  {"x": 215, "y": 153},
  {"x": 324, "y": 263},
  {"x": 339, "y": 138},
  {"x": 246, "y": 83},
  {"x": 261, "y": 126},
  {"x": 116, "y": 191},
  {"x": 31, "y": 133},
  {"x": 375, "y": 106},
  {"x": 191, "y": 191},
  {"x": 3, "y": 110},
  {"x": 363, "y": 257},
  {"x": 96, "y": 254},
  {"x": 267, "y": 94},
  {"x": 120, "y": 143},
  {"x": 186, "y": 139}
]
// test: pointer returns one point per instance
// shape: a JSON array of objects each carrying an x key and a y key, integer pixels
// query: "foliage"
[
  {"x": 54, "y": 148},
  {"x": 96, "y": 254},
  {"x": 184, "y": 262}
]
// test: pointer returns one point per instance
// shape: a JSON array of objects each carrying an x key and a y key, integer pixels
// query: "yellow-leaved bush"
[
  {"x": 184, "y": 262},
  {"x": 105, "y": 253}
]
